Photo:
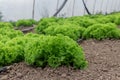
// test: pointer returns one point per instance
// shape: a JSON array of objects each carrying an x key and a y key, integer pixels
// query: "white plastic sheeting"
[{"x": 22, "y": 9}]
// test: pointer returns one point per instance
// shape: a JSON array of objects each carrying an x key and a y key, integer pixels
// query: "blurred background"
[{"x": 12, "y": 10}]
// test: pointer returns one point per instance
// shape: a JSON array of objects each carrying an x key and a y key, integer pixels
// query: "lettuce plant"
[
  {"x": 6, "y": 25},
  {"x": 72, "y": 31},
  {"x": 54, "y": 51},
  {"x": 25, "y": 23},
  {"x": 102, "y": 31}
]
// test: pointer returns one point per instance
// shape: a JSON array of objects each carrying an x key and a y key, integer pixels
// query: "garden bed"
[{"x": 103, "y": 58}]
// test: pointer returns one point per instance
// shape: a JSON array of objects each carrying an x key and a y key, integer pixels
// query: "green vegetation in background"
[
  {"x": 45, "y": 23},
  {"x": 25, "y": 23},
  {"x": 73, "y": 31},
  {"x": 13, "y": 23},
  {"x": 82, "y": 21},
  {"x": 102, "y": 31},
  {"x": 74, "y": 27}
]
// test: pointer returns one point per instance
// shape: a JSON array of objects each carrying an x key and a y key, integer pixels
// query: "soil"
[
  {"x": 26, "y": 29},
  {"x": 103, "y": 58}
]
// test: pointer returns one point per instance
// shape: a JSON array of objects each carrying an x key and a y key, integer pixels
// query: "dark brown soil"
[{"x": 103, "y": 58}]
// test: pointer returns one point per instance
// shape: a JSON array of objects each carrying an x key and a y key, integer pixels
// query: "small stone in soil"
[
  {"x": 19, "y": 75},
  {"x": 63, "y": 75}
]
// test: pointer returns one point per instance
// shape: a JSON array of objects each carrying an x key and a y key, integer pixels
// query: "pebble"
[
  {"x": 63, "y": 75},
  {"x": 19, "y": 75}
]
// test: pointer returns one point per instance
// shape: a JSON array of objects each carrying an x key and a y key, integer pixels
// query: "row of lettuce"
[
  {"x": 39, "y": 50},
  {"x": 82, "y": 27},
  {"x": 54, "y": 43},
  {"x": 24, "y": 23}
]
